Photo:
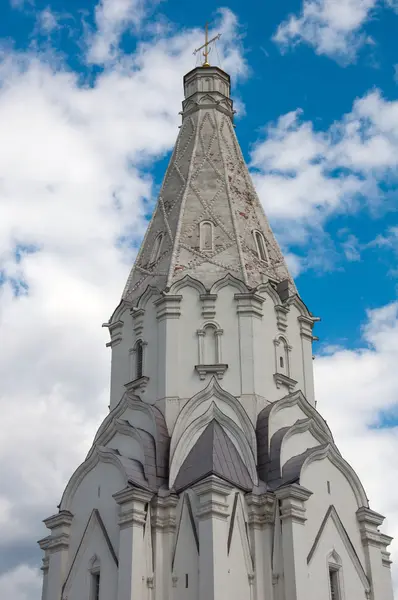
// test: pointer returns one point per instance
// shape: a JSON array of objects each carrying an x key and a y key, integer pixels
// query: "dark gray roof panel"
[{"x": 213, "y": 453}]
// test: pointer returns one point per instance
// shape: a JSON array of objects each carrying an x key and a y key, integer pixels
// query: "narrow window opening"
[
  {"x": 206, "y": 236},
  {"x": 328, "y": 485},
  {"x": 281, "y": 362},
  {"x": 95, "y": 586},
  {"x": 261, "y": 248},
  {"x": 139, "y": 357},
  {"x": 210, "y": 346},
  {"x": 186, "y": 580},
  {"x": 334, "y": 584},
  {"x": 156, "y": 249},
  {"x": 99, "y": 491}
]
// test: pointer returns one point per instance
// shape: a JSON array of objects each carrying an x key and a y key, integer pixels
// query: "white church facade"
[{"x": 213, "y": 476}]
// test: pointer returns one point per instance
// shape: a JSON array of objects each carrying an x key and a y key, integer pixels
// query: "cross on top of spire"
[{"x": 206, "y": 46}]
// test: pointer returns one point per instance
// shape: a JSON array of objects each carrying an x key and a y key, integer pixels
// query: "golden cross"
[{"x": 206, "y": 46}]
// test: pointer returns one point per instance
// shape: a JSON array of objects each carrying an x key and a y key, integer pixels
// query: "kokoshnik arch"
[{"x": 213, "y": 476}]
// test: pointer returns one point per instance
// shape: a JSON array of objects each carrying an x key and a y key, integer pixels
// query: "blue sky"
[{"x": 89, "y": 99}]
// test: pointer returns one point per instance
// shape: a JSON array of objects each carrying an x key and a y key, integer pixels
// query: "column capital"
[
  {"x": 292, "y": 499},
  {"x": 133, "y": 506},
  {"x": 168, "y": 307},
  {"x": 163, "y": 514},
  {"x": 369, "y": 521},
  {"x": 212, "y": 493},
  {"x": 250, "y": 304},
  {"x": 261, "y": 509}
]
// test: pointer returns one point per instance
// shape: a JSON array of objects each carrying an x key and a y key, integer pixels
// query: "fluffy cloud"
[
  {"x": 74, "y": 195},
  {"x": 304, "y": 176},
  {"x": 332, "y": 27},
  {"x": 357, "y": 394}
]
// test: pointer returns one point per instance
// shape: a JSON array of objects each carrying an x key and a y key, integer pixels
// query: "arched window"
[
  {"x": 206, "y": 236},
  {"x": 139, "y": 359},
  {"x": 156, "y": 249},
  {"x": 335, "y": 576},
  {"x": 261, "y": 247}
]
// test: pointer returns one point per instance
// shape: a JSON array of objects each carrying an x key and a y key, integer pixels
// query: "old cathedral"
[{"x": 213, "y": 476}]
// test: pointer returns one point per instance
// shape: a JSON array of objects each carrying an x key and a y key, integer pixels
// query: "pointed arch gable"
[
  {"x": 147, "y": 295},
  {"x": 193, "y": 433},
  {"x": 268, "y": 288},
  {"x": 330, "y": 451},
  {"x": 94, "y": 520},
  {"x": 229, "y": 279},
  {"x": 213, "y": 389},
  {"x": 332, "y": 514},
  {"x": 122, "y": 307},
  {"x": 187, "y": 281},
  {"x": 298, "y": 398},
  {"x": 299, "y": 304},
  {"x": 157, "y": 428}
]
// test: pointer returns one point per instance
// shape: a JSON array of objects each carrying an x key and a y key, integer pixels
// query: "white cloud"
[
  {"x": 332, "y": 27},
  {"x": 73, "y": 164},
  {"x": 22, "y": 583},
  {"x": 304, "y": 176},
  {"x": 353, "y": 388},
  {"x": 47, "y": 21},
  {"x": 113, "y": 18}
]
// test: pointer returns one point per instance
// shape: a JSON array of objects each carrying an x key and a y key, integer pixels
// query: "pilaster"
[
  {"x": 306, "y": 327},
  {"x": 56, "y": 547},
  {"x": 292, "y": 500},
  {"x": 250, "y": 312},
  {"x": 163, "y": 530},
  {"x": 134, "y": 506},
  {"x": 212, "y": 513},
  {"x": 374, "y": 544},
  {"x": 168, "y": 313},
  {"x": 261, "y": 514}
]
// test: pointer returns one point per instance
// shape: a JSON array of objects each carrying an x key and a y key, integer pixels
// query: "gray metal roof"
[{"x": 213, "y": 454}]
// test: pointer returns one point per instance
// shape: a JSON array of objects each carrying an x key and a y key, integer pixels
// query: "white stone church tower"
[{"x": 213, "y": 476}]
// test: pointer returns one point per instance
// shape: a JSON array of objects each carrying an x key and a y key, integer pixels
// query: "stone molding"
[
  {"x": 137, "y": 385},
  {"x": 208, "y": 305},
  {"x": 261, "y": 510},
  {"x": 116, "y": 332},
  {"x": 215, "y": 369},
  {"x": 249, "y": 304},
  {"x": 369, "y": 521},
  {"x": 293, "y": 498},
  {"x": 281, "y": 317},
  {"x": 133, "y": 503},
  {"x": 212, "y": 493},
  {"x": 164, "y": 513},
  {"x": 281, "y": 379},
  {"x": 168, "y": 307}
]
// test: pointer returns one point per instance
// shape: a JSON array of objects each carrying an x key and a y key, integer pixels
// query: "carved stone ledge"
[
  {"x": 281, "y": 317},
  {"x": 208, "y": 305},
  {"x": 261, "y": 509},
  {"x": 281, "y": 379},
  {"x": 217, "y": 370},
  {"x": 168, "y": 307},
  {"x": 115, "y": 331},
  {"x": 249, "y": 304},
  {"x": 137, "y": 385}
]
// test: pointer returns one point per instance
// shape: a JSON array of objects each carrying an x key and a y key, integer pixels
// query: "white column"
[
  {"x": 369, "y": 521},
  {"x": 250, "y": 312},
  {"x": 163, "y": 530},
  {"x": 132, "y": 574},
  {"x": 168, "y": 313},
  {"x": 292, "y": 499},
  {"x": 213, "y": 512},
  {"x": 385, "y": 541},
  {"x": 56, "y": 547},
  {"x": 306, "y": 326},
  {"x": 261, "y": 520}
]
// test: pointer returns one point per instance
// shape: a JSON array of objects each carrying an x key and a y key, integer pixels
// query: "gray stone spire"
[{"x": 208, "y": 221}]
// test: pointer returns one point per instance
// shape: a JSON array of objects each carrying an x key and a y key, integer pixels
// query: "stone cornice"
[
  {"x": 62, "y": 519},
  {"x": 137, "y": 385},
  {"x": 168, "y": 307},
  {"x": 133, "y": 504},
  {"x": 281, "y": 317},
  {"x": 163, "y": 514},
  {"x": 261, "y": 509},
  {"x": 293, "y": 498},
  {"x": 249, "y": 304},
  {"x": 306, "y": 326},
  {"x": 115, "y": 331},
  {"x": 208, "y": 305},
  {"x": 212, "y": 493},
  {"x": 281, "y": 379},
  {"x": 216, "y": 369}
]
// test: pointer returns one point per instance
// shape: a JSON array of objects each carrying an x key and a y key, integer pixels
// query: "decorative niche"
[
  {"x": 157, "y": 246},
  {"x": 261, "y": 246},
  {"x": 206, "y": 236},
  {"x": 282, "y": 364},
  {"x": 138, "y": 379},
  {"x": 209, "y": 351}
]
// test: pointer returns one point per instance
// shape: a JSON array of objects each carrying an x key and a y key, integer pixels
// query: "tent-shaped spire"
[
  {"x": 208, "y": 220},
  {"x": 213, "y": 454}
]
